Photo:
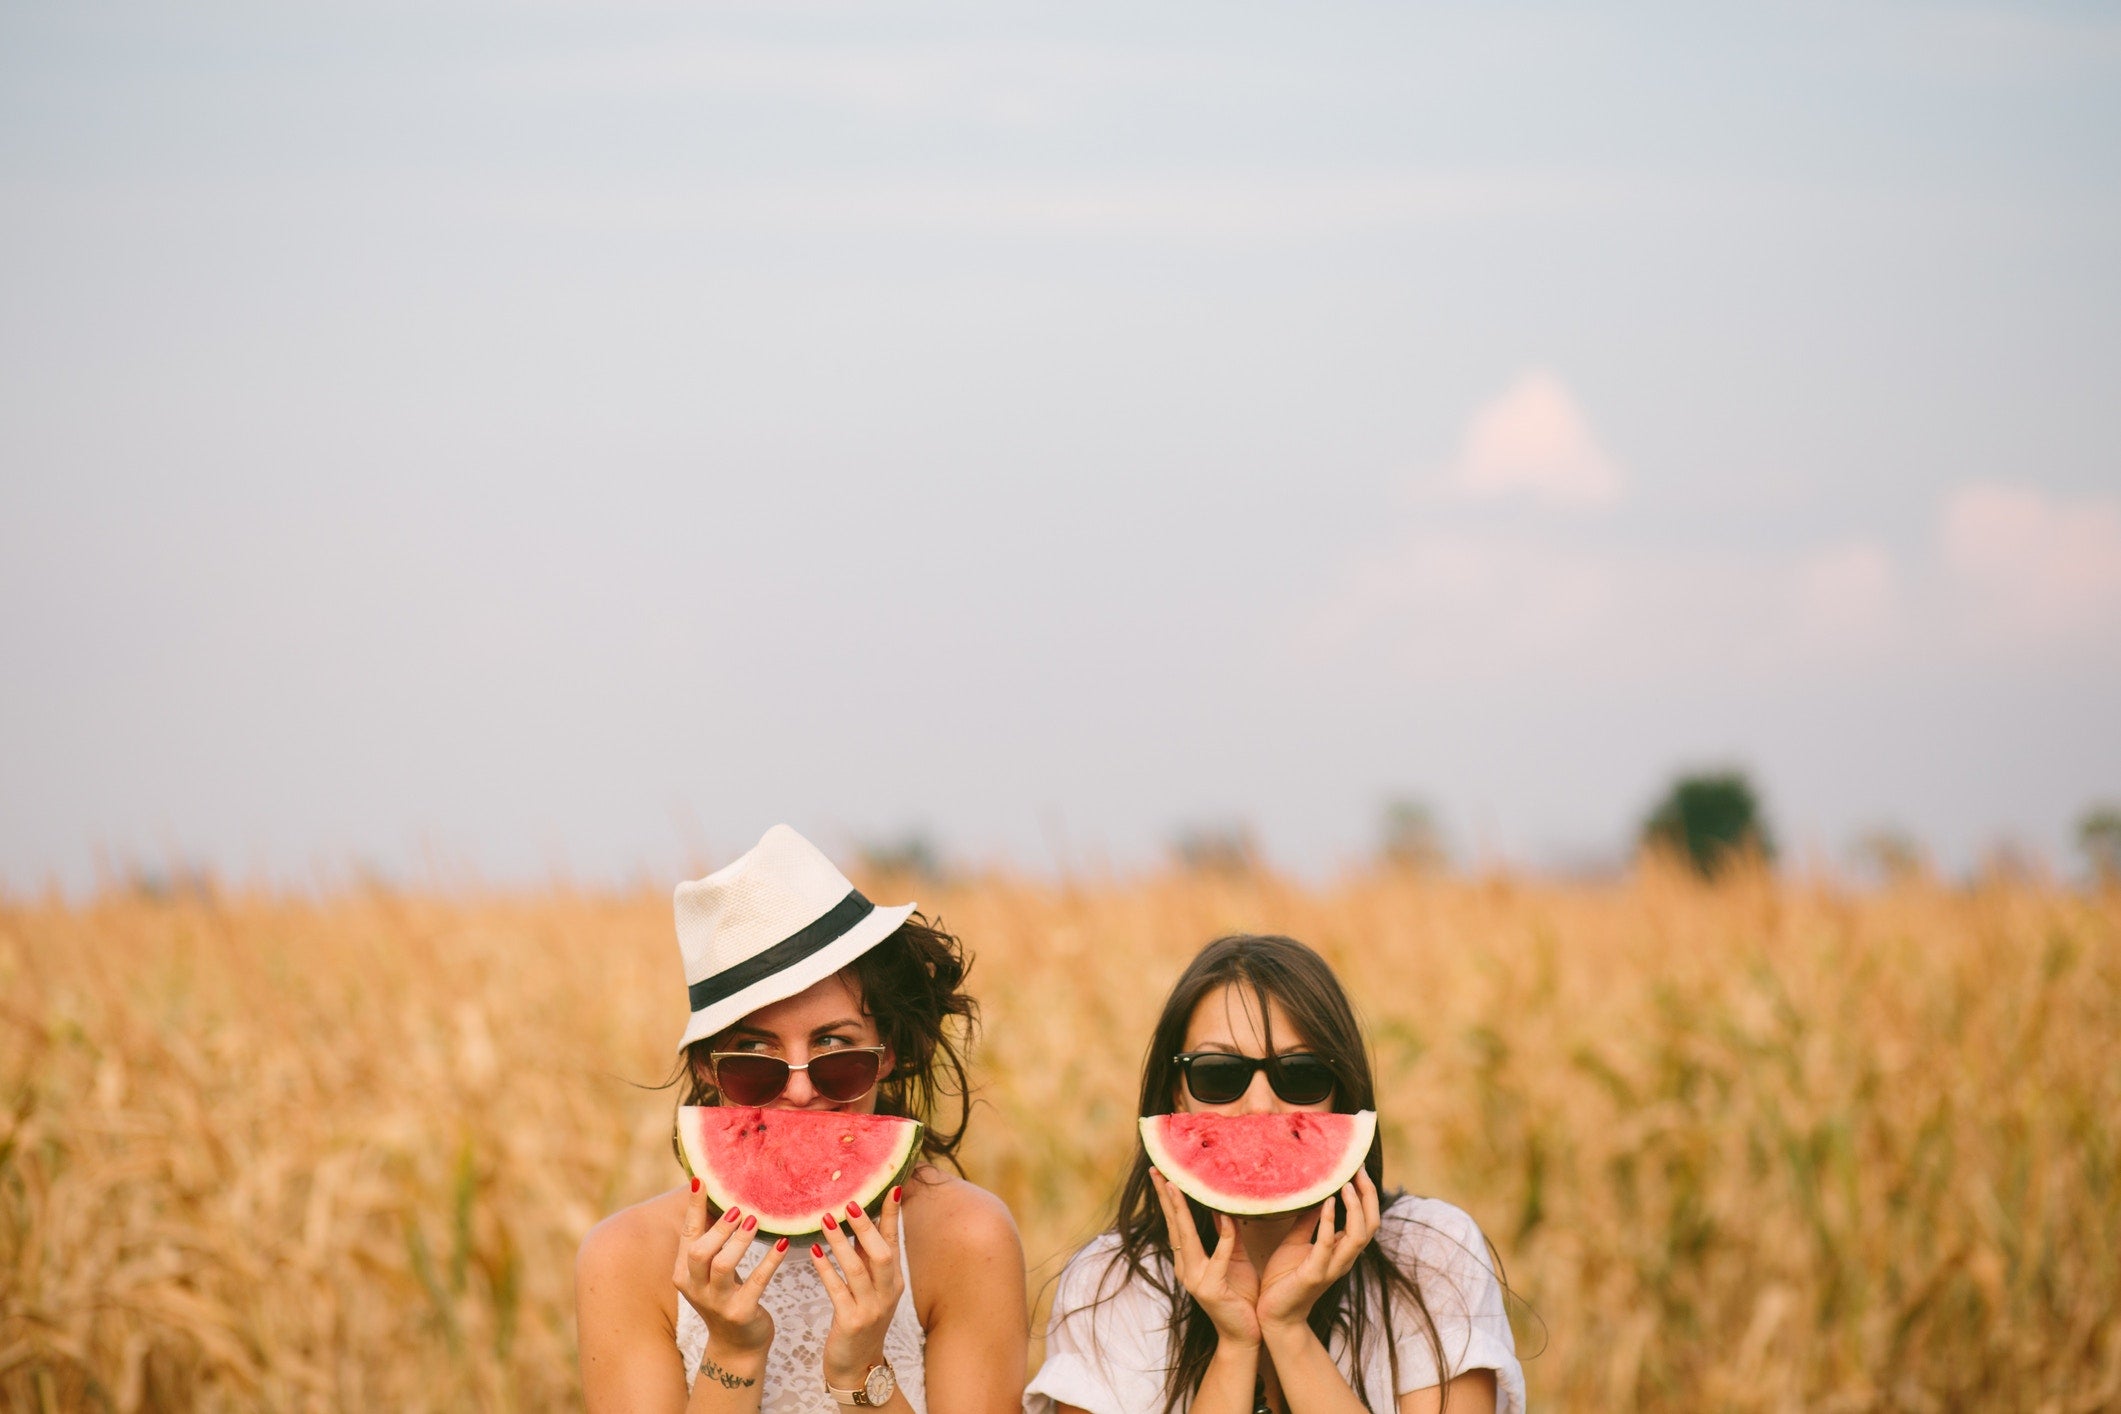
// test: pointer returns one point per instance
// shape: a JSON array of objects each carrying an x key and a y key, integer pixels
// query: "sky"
[{"x": 532, "y": 440}]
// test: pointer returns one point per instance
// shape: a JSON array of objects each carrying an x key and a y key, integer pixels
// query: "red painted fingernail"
[
  {"x": 816, "y": 1251},
  {"x": 781, "y": 1246},
  {"x": 830, "y": 1225},
  {"x": 897, "y": 1192},
  {"x": 853, "y": 1208},
  {"x": 695, "y": 1185},
  {"x": 730, "y": 1216},
  {"x": 750, "y": 1223}
]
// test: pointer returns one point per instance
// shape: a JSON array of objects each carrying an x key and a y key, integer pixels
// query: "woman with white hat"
[{"x": 804, "y": 995}]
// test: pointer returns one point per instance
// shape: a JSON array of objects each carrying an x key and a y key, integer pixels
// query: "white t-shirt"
[{"x": 1113, "y": 1358}]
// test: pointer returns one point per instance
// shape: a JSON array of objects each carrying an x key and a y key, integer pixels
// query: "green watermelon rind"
[
  {"x": 1197, "y": 1186},
  {"x": 869, "y": 1191}
]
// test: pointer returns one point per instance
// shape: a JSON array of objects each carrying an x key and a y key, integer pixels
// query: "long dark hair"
[
  {"x": 912, "y": 984},
  {"x": 1359, "y": 1307}
]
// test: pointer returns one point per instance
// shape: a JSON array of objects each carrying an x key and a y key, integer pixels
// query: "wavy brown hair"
[
  {"x": 1360, "y": 1306},
  {"x": 912, "y": 984}
]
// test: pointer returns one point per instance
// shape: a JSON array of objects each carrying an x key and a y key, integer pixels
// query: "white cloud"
[
  {"x": 1460, "y": 605},
  {"x": 2011, "y": 574},
  {"x": 1475, "y": 601},
  {"x": 1533, "y": 440},
  {"x": 1845, "y": 596},
  {"x": 2028, "y": 566}
]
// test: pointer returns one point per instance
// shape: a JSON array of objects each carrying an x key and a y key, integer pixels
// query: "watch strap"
[{"x": 858, "y": 1397}]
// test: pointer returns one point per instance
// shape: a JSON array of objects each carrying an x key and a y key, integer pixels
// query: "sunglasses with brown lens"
[{"x": 842, "y": 1075}]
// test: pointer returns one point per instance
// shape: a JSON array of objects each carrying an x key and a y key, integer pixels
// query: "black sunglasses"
[
  {"x": 756, "y": 1078},
  {"x": 1218, "y": 1077}
]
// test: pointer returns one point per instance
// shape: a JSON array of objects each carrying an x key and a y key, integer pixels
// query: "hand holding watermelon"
[
  {"x": 1311, "y": 1257},
  {"x": 1224, "y": 1281},
  {"x": 737, "y": 1326},
  {"x": 864, "y": 1287}
]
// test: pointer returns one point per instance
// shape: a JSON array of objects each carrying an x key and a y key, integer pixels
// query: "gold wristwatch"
[{"x": 876, "y": 1390}]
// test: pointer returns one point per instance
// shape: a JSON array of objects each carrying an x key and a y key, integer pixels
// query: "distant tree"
[
  {"x": 1708, "y": 820},
  {"x": 2010, "y": 862},
  {"x": 1891, "y": 854},
  {"x": 908, "y": 855},
  {"x": 1215, "y": 849},
  {"x": 2099, "y": 836},
  {"x": 1410, "y": 838}
]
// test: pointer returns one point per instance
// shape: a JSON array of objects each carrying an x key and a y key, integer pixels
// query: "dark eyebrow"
[
  {"x": 844, "y": 1024},
  {"x": 736, "y": 1031}
]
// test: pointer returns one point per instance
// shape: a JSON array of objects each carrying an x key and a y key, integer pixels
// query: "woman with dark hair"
[
  {"x": 1377, "y": 1301},
  {"x": 804, "y": 995}
]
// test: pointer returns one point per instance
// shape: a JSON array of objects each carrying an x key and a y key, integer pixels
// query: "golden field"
[{"x": 1754, "y": 1146}]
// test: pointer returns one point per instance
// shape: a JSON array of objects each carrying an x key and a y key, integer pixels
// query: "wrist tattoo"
[{"x": 723, "y": 1377}]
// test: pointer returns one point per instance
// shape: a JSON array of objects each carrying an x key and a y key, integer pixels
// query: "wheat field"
[{"x": 1759, "y": 1145}]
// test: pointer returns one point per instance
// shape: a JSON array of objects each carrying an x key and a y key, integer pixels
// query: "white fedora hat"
[{"x": 769, "y": 925}]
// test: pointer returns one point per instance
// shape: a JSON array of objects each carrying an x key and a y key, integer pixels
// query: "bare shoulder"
[
  {"x": 962, "y": 1250},
  {"x": 626, "y": 1309},
  {"x": 950, "y": 1214},
  {"x": 633, "y": 1250}
]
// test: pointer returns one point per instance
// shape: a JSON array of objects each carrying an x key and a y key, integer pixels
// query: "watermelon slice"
[
  {"x": 788, "y": 1168},
  {"x": 1256, "y": 1164}
]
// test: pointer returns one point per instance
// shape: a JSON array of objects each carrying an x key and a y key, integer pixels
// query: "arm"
[
  {"x": 972, "y": 1270},
  {"x": 1225, "y": 1285},
  {"x": 863, "y": 1281},
  {"x": 739, "y": 1330},
  {"x": 1466, "y": 1309},
  {"x": 1471, "y": 1393},
  {"x": 624, "y": 1277},
  {"x": 1297, "y": 1275},
  {"x": 629, "y": 1356}
]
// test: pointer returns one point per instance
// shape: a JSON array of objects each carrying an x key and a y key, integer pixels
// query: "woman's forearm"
[
  {"x": 732, "y": 1384},
  {"x": 1310, "y": 1381},
  {"x": 1232, "y": 1378}
]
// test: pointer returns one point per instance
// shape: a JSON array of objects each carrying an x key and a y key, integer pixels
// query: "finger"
[
  {"x": 1321, "y": 1254},
  {"x": 695, "y": 1212},
  {"x": 1362, "y": 1214},
  {"x": 755, "y": 1284},
  {"x": 843, "y": 1303},
  {"x": 1298, "y": 1235},
  {"x": 852, "y": 1265},
  {"x": 1354, "y": 1235},
  {"x": 893, "y": 1212},
  {"x": 1368, "y": 1191},
  {"x": 702, "y": 1249},
  {"x": 1226, "y": 1245},
  {"x": 724, "y": 1266},
  {"x": 1178, "y": 1226},
  {"x": 1178, "y": 1219},
  {"x": 1163, "y": 1201},
  {"x": 864, "y": 1233}
]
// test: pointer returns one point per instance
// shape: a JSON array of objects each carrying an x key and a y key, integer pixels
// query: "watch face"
[{"x": 880, "y": 1384}]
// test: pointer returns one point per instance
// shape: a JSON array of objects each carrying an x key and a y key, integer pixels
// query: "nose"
[
  {"x": 800, "y": 1094},
  {"x": 1259, "y": 1097}
]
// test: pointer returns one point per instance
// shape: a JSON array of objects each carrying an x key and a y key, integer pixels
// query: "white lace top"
[
  {"x": 1108, "y": 1343},
  {"x": 802, "y": 1314}
]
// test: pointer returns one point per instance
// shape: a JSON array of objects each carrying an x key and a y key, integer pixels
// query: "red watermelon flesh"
[
  {"x": 788, "y": 1168},
  {"x": 1253, "y": 1164}
]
